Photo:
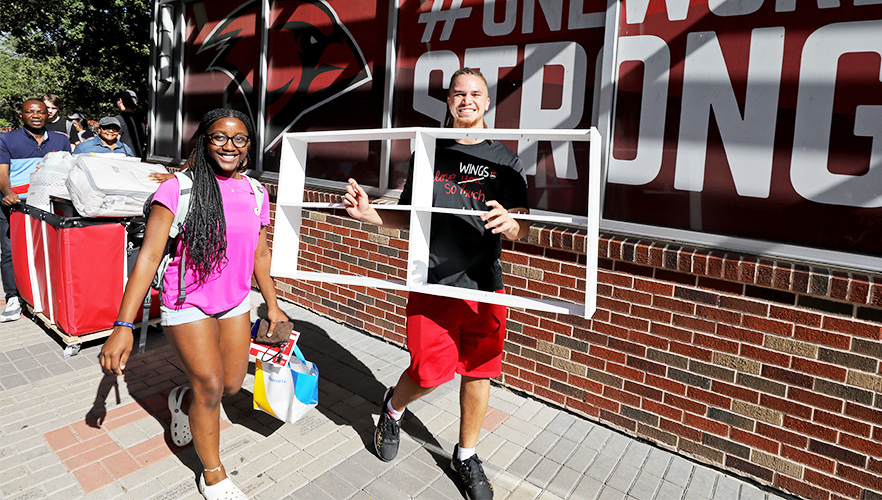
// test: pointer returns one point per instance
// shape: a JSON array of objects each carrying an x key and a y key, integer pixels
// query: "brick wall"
[{"x": 766, "y": 368}]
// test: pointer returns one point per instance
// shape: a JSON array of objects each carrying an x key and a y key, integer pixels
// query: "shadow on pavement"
[
  {"x": 148, "y": 378},
  {"x": 349, "y": 394}
]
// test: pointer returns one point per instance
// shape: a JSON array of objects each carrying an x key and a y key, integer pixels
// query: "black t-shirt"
[
  {"x": 132, "y": 132},
  {"x": 65, "y": 127},
  {"x": 461, "y": 252}
]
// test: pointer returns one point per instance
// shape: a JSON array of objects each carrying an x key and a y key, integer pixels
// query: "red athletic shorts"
[{"x": 447, "y": 336}]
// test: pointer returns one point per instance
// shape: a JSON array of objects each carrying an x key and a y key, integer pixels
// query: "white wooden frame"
[{"x": 289, "y": 206}]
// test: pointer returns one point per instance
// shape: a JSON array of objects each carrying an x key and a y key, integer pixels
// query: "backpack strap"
[
  {"x": 185, "y": 186},
  {"x": 257, "y": 189}
]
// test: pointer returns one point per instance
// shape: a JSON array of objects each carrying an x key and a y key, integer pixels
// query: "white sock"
[
  {"x": 392, "y": 411},
  {"x": 464, "y": 453}
]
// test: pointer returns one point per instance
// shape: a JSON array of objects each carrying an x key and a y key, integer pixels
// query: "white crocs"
[
  {"x": 180, "y": 422},
  {"x": 224, "y": 490}
]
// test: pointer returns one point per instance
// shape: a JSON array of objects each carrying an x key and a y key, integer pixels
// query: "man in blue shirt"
[
  {"x": 20, "y": 151},
  {"x": 107, "y": 140}
]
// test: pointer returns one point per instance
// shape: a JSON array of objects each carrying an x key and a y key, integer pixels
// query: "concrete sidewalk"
[{"x": 68, "y": 431}]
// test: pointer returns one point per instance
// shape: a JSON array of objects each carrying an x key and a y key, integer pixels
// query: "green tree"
[
  {"x": 21, "y": 78},
  {"x": 82, "y": 50}
]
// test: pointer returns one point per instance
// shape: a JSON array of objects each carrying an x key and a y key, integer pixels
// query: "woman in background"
[{"x": 81, "y": 125}]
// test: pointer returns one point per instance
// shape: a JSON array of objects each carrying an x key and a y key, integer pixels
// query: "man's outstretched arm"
[{"x": 358, "y": 206}]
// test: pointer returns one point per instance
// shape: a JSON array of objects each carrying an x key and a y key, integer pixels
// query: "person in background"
[
  {"x": 446, "y": 336},
  {"x": 107, "y": 140},
  {"x": 93, "y": 127},
  {"x": 82, "y": 127},
  {"x": 225, "y": 244},
  {"x": 133, "y": 132},
  {"x": 20, "y": 151},
  {"x": 53, "y": 120}
]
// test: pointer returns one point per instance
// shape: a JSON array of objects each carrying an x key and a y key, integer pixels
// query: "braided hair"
[{"x": 205, "y": 228}]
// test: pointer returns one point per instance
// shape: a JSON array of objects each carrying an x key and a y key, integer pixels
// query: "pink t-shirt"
[{"x": 228, "y": 288}]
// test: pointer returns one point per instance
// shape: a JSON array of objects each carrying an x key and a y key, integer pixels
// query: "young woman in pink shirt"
[{"x": 224, "y": 238}]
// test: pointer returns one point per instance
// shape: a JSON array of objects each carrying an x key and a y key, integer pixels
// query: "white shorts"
[{"x": 175, "y": 317}]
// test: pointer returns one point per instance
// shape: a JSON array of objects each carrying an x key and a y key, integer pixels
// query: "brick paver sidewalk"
[{"x": 68, "y": 431}]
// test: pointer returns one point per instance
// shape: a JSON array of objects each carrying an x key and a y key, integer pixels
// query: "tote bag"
[{"x": 286, "y": 392}]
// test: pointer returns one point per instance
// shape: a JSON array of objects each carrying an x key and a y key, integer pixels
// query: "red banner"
[
  {"x": 539, "y": 59},
  {"x": 221, "y": 54},
  {"x": 325, "y": 68},
  {"x": 751, "y": 119}
]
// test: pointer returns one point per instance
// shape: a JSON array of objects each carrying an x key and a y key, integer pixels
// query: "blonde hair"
[{"x": 448, "y": 118}]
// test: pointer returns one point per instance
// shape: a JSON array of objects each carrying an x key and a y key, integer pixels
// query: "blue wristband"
[{"x": 124, "y": 323}]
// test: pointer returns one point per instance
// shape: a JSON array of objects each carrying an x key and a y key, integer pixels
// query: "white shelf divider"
[{"x": 290, "y": 204}]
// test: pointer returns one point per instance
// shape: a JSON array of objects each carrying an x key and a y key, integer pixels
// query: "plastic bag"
[
  {"x": 49, "y": 178},
  {"x": 286, "y": 392}
]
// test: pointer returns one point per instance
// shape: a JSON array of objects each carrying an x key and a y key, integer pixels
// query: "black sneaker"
[
  {"x": 477, "y": 486},
  {"x": 386, "y": 435}
]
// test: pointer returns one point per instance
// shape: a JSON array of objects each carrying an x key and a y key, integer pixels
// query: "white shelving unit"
[{"x": 289, "y": 206}]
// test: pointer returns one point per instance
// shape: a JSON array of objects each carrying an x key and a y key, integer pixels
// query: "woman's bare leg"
[{"x": 214, "y": 356}]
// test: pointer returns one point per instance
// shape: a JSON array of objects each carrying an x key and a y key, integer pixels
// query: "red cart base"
[{"x": 70, "y": 270}]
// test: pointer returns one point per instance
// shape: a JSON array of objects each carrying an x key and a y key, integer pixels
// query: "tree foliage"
[{"x": 82, "y": 50}]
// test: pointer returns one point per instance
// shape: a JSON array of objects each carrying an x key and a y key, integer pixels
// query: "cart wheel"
[{"x": 71, "y": 350}]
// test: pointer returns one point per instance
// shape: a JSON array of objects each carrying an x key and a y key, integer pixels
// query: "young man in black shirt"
[
  {"x": 133, "y": 132},
  {"x": 447, "y": 335},
  {"x": 54, "y": 121}
]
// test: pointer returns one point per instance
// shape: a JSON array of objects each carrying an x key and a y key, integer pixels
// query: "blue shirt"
[
  {"x": 20, "y": 151},
  {"x": 95, "y": 145}
]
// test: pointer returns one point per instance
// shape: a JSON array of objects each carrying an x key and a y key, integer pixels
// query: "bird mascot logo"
[{"x": 312, "y": 59}]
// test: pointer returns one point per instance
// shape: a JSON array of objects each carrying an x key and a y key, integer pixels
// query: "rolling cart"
[{"x": 71, "y": 271}]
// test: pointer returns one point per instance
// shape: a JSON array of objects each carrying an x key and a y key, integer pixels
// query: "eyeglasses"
[{"x": 220, "y": 140}]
